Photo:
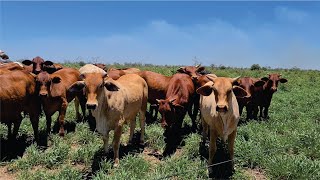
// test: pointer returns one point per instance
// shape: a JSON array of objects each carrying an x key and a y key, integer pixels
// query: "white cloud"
[{"x": 292, "y": 15}]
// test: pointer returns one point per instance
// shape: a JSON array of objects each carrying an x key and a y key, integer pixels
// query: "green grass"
[{"x": 287, "y": 146}]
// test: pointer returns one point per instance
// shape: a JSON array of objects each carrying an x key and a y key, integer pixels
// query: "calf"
[
  {"x": 38, "y": 65},
  {"x": 114, "y": 103},
  {"x": 251, "y": 86},
  {"x": 157, "y": 88},
  {"x": 54, "y": 94},
  {"x": 220, "y": 112},
  {"x": 264, "y": 96},
  {"x": 17, "y": 94}
]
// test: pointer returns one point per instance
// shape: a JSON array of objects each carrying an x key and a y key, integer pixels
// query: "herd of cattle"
[{"x": 115, "y": 96}]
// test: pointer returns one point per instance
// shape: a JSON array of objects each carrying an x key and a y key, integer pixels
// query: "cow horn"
[
  {"x": 34, "y": 75},
  {"x": 158, "y": 101},
  {"x": 198, "y": 65},
  {"x": 211, "y": 77}
]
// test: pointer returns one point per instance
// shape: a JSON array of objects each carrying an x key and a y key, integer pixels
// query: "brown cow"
[
  {"x": 179, "y": 98},
  {"x": 17, "y": 94},
  {"x": 11, "y": 66},
  {"x": 117, "y": 73},
  {"x": 100, "y": 65},
  {"x": 115, "y": 103},
  {"x": 38, "y": 65},
  {"x": 157, "y": 89},
  {"x": 54, "y": 95},
  {"x": 263, "y": 99},
  {"x": 251, "y": 86},
  {"x": 220, "y": 112},
  {"x": 193, "y": 71}
]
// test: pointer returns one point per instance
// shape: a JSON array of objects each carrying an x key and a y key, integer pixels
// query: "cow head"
[
  {"x": 93, "y": 84},
  {"x": 272, "y": 82},
  {"x": 249, "y": 85},
  {"x": 222, "y": 88},
  {"x": 193, "y": 71},
  {"x": 38, "y": 65},
  {"x": 168, "y": 110},
  {"x": 100, "y": 65},
  {"x": 43, "y": 81}
]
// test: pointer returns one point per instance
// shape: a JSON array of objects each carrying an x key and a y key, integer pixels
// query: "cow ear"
[
  {"x": 27, "y": 62},
  {"x": 211, "y": 77},
  {"x": 182, "y": 70},
  {"x": 56, "y": 79},
  {"x": 283, "y": 80},
  {"x": 201, "y": 68},
  {"x": 48, "y": 63},
  {"x": 111, "y": 86},
  {"x": 205, "y": 90},
  {"x": 265, "y": 79},
  {"x": 77, "y": 86},
  {"x": 239, "y": 91},
  {"x": 259, "y": 83},
  {"x": 171, "y": 100},
  {"x": 104, "y": 75}
]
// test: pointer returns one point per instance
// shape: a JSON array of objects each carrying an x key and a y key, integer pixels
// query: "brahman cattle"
[
  {"x": 54, "y": 95},
  {"x": 38, "y": 65},
  {"x": 220, "y": 112},
  {"x": 251, "y": 85},
  {"x": 18, "y": 94},
  {"x": 114, "y": 103},
  {"x": 179, "y": 98},
  {"x": 264, "y": 96}
]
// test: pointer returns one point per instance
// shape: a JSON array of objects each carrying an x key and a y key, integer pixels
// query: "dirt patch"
[
  {"x": 152, "y": 156},
  {"x": 256, "y": 174},
  {"x": 5, "y": 175}
]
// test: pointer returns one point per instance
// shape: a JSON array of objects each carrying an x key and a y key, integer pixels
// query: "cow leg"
[
  {"x": 132, "y": 128},
  {"x": 241, "y": 109},
  {"x": 34, "y": 118},
  {"x": 9, "y": 130},
  {"x": 212, "y": 146},
  {"x": 193, "y": 115},
  {"x": 266, "y": 112},
  {"x": 76, "y": 107},
  {"x": 106, "y": 142},
  {"x": 16, "y": 126},
  {"x": 62, "y": 114},
  {"x": 231, "y": 139},
  {"x": 261, "y": 108},
  {"x": 205, "y": 128},
  {"x": 82, "y": 101},
  {"x": 142, "y": 117},
  {"x": 249, "y": 111},
  {"x": 116, "y": 144},
  {"x": 49, "y": 120}
]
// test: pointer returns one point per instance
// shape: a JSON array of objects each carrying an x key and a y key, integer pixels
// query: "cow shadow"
[
  {"x": 100, "y": 155},
  {"x": 69, "y": 126},
  {"x": 13, "y": 148},
  {"x": 173, "y": 138},
  {"x": 218, "y": 171}
]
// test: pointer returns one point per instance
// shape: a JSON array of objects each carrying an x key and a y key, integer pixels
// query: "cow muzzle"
[
  {"x": 274, "y": 89},
  {"x": 91, "y": 106},
  {"x": 221, "y": 108}
]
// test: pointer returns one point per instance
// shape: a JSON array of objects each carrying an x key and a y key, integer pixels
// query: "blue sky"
[{"x": 239, "y": 34}]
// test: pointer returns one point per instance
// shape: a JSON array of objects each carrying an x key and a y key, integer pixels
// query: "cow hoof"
[
  {"x": 116, "y": 163},
  {"x": 61, "y": 133}
]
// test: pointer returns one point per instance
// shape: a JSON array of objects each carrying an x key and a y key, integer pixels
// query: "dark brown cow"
[
  {"x": 38, "y": 65},
  {"x": 157, "y": 89},
  {"x": 264, "y": 96},
  {"x": 17, "y": 94},
  {"x": 251, "y": 86},
  {"x": 179, "y": 98},
  {"x": 54, "y": 95}
]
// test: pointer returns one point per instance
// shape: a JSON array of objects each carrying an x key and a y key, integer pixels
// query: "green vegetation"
[{"x": 287, "y": 146}]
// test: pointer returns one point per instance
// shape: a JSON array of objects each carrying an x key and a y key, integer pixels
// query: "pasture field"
[{"x": 287, "y": 146}]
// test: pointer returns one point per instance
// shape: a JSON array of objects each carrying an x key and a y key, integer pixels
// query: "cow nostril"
[
  {"x": 43, "y": 95},
  {"x": 91, "y": 106},
  {"x": 221, "y": 109}
]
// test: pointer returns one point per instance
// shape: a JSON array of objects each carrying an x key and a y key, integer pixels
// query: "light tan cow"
[
  {"x": 220, "y": 112},
  {"x": 115, "y": 103}
]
